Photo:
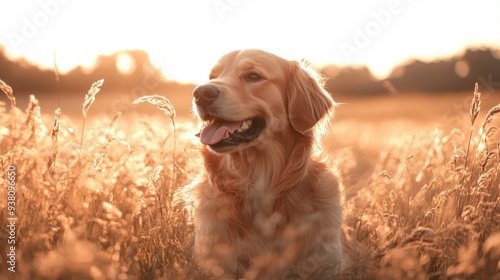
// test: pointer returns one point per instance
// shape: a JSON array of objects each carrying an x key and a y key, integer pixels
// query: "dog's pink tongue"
[{"x": 214, "y": 133}]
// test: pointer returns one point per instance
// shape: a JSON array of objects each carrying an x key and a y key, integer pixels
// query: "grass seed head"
[
  {"x": 490, "y": 117},
  {"x": 490, "y": 128},
  {"x": 156, "y": 174},
  {"x": 90, "y": 96},
  {"x": 475, "y": 105},
  {"x": 33, "y": 112},
  {"x": 160, "y": 102},
  {"x": 131, "y": 219},
  {"x": 57, "y": 123},
  {"x": 9, "y": 92}
]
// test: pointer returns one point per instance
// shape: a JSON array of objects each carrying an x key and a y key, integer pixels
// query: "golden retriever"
[{"x": 267, "y": 204}]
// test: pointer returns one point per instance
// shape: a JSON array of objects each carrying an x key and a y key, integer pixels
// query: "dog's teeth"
[
  {"x": 227, "y": 134},
  {"x": 245, "y": 125}
]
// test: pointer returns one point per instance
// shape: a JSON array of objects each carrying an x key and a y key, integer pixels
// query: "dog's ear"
[{"x": 308, "y": 102}]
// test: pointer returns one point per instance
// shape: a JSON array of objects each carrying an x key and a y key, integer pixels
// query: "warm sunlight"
[
  {"x": 378, "y": 157},
  {"x": 125, "y": 64},
  {"x": 184, "y": 39}
]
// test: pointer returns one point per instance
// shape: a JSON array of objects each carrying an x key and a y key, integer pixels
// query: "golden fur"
[{"x": 269, "y": 208}]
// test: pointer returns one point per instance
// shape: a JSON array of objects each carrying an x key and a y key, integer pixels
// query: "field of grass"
[{"x": 421, "y": 197}]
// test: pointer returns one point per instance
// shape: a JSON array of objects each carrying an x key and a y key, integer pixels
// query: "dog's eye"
[{"x": 253, "y": 77}]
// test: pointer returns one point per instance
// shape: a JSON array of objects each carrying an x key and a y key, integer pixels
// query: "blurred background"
[
  {"x": 384, "y": 59},
  {"x": 97, "y": 196}
]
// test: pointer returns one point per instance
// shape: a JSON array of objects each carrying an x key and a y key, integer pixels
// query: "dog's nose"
[{"x": 205, "y": 94}]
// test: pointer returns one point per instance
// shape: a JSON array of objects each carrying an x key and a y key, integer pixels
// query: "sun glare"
[
  {"x": 125, "y": 64},
  {"x": 185, "y": 40},
  {"x": 108, "y": 190},
  {"x": 462, "y": 69}
]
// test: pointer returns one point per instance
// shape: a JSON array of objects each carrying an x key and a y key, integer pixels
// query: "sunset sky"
[{"x": 185, "y": 38}]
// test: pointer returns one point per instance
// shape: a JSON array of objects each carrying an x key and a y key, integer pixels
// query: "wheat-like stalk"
[
  {"x": 475, "y": 105},
  {"x": 55, "y": 127},
  {"x": 156, "y": 174},
  {"x": 34, "y": 117},
  {"x": 489, "y": 118},
  {"x": 90, "y": 96},
  {"x": 163, "y": 104},
  {"x": 474, "y": 109},
  {"x": 10, "y": 95},
  {"x": 89, "y": 100},
  {"x": 160, "y": 102},
  {"x": 490, "y": 126},
  {"x": 9, "y": 92},
  {"x": 55, "y": 133},
  {"x": 154, "y": 177},
  {"x": 33, "y": 111}
]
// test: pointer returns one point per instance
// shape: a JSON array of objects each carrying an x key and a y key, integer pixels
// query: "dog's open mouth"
[{"x": 222, "y": 135}]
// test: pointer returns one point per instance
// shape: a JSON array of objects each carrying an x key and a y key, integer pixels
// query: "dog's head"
[{"x": 252, "y": 95}]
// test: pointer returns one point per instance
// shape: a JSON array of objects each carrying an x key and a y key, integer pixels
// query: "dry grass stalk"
[
  {"x": 57, "y": 123},
  {"x": 34, "y": 117},
  {"x": 10, "y": 95},
  {"x": 489, "y": 132},
  {"x": 156, "y": 174},
  {"x": 96, "y": 218},
  {"x": 89, "y": 100},
  {"x": 55, "y": 148},
  {"x": 475, "y": 105},
  {"x": 489, "y": 118},
  {"x": 90, "y": 96},
  {"x": 154, "y": 177},
  {"x": 9, "y": 92},
  {"x": 160, "y": 102},
  {"x": 163, "y": 104},
  {"x": 33, "y": 110}
]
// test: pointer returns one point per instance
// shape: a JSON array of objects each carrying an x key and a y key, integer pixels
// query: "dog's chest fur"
[{"x": 255, "y": 230}]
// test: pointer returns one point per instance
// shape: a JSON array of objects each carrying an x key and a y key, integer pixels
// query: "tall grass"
[
  {"x": 88, "y": 101},
  {"x": 427, "y": 207},
  {"x": 164, "y": 105}
]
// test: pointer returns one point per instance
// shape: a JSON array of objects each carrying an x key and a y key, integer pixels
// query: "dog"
[{"x": 267, "y": 204}]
